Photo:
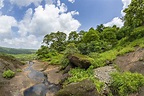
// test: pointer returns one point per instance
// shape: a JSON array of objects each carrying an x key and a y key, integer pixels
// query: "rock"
[
  {"x": 103, "y": 74},
  {"x": 83, "y": 88},
  {"x": 81, "y": 61}
]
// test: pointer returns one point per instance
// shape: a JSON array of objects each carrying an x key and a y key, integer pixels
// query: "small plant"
[
  {"x": 19, "y": 70},
  {"x": 78, "y": 75},
  {"x": 126, "y": 83},
  {"x": 8, "y": 74}
]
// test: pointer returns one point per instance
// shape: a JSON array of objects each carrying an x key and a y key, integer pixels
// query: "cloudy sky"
[{"x": 24, "y": 23}]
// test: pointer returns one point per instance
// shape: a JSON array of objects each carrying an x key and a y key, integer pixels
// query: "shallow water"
[{"x": 43, "y": 85}]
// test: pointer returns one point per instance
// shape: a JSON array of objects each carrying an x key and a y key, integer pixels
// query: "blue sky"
[{"x": 24, "y": 23}]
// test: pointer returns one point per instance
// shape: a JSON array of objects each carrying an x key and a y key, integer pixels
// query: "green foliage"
[
  {"x": 91, "y": 35},
  {"x": 55, "y": 40},
  {"x": 70, "y": 50},
  {"x": 137, "y": 33},
  {"x": 84, "y": 57},
  {"x": 123, "y": 32},
  {"x": 125, "y": 50},
  {"x": 109, "y": 35},
  {"x": 126, "y": 83},
  {"x": 16, "y": 51},
  {"x": 8, "y": 74},
  {"x": 56, "y": 59},
  {"x": 78, "y": 74},
  {"x": 42, "y": 52},
  {"x": 134, "y": 14},
  {"x": 25, "y": 57},
  {"x": 100, "y": 59},
  {"x": 73, "y": 36}
]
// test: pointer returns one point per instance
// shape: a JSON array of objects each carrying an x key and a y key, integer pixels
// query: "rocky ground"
[{"x": 133, "y": 61}]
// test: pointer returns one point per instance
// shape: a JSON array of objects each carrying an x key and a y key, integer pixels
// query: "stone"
[{"x": 83, "y": 88}]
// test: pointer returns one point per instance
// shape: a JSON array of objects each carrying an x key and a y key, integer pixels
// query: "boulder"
[
  {"x": 79, "y": 60},
  {"x": 103, "y": 74},
  {"x": 83, "y": 88}
]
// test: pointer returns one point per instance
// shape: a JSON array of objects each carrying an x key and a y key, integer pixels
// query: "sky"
[{"x": 24, "y": 23}]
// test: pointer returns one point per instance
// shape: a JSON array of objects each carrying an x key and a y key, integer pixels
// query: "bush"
[
  {"x": 70, "y": 50},
  {"x": 126, "y": 83},
  {"x": 138, "y": 32},
  {"x": 78, "y": 75},
  {"x": 8, "y": 74}
]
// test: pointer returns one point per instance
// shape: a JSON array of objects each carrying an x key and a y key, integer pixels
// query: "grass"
[
  {"x": 56, "y": 59},
  {"x": 78, "y": 75},
  {"x": 25, "y": 57},
  {"x": 126, "y": 83},
  {"x": 101, "y": 58}
]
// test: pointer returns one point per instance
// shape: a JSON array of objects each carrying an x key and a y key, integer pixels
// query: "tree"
[
  {"x": 73, "y": 36},
  {"x": 134, "y": 14},
  {"x": 100, "y": 28},
  {"x": 56, "y": 40},
  {"x": 81, "y": 34},
  {"x": 91, "y": 35},
  {"x": 109, "y": 35},
  {"x": 41, "y": 53}
]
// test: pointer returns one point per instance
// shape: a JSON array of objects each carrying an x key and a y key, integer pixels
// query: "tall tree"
[
  {"x": 91, "y": 35},
  {"x": 134, "y": 14},
  {"x": 73, "y": 36},
  {"x": 100, "y": 28},
  {"x": 55, "y": 40}
]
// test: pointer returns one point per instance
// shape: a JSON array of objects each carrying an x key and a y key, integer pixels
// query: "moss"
[{"x": 83, "y": 57}]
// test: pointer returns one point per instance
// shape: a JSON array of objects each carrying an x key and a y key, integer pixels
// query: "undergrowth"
[
  {"x": 101, "y": 58},
  {"x": 78, "y": 75},
  {"x": 126, "y": 83}
]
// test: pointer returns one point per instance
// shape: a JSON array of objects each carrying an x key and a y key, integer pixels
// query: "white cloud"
[
  {"x": 116, "y": 21},
  {"x": 49, "y": 20},
  {"x": 21, "y": 3},
  {"x": 72, "y": 1},
  {"x": 6, "y": 23},
  {"x": 1, "y": 4},
  {"x": 36, "y": 24},
  {"x": 125, "y": 5},
  {"x": 30, "y": 41}
]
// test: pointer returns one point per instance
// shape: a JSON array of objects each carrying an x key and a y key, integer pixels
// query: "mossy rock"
[
  {"x": 83, "y": 88},
  {"x": 81, "y": 61}
]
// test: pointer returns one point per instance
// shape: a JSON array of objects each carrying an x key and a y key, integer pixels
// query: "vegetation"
[
  {"x": 25, "y": 57},
  {"x": 78, "y": 74},
  {"x": 100, "y": 45},
  {"x": 8, "y": 74},
  {"x": 16, "y": 51},
  {"x": 126, "y": 83}
]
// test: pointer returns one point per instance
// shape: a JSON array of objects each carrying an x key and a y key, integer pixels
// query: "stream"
[{"x": 42, "y": 86}]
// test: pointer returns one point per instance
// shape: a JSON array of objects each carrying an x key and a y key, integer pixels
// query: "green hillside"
[{"x": 16, "y": 51}]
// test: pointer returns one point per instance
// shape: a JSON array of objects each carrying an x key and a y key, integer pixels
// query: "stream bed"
[{"x": 42, "y": 86}]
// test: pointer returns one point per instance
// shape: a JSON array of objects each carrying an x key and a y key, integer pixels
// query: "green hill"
[{"x": 16, "y": 51}]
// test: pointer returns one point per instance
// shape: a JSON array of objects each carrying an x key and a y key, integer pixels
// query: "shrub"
[
  {"x": 8, "y": 74},
  {"x": 70, "y": 50},
  {"x": 126, "y": 83},
  {"x": 78, "y": 75},
  {"x": 138, "y": 32}
]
